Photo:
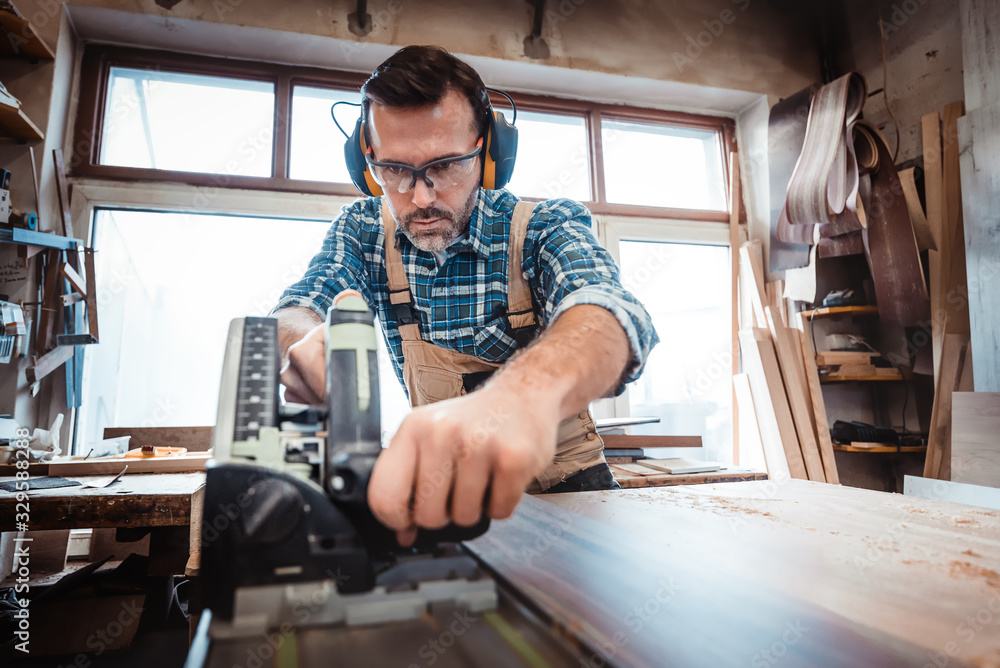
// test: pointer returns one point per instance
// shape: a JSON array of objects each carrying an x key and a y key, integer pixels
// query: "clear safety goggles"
[{"x": 441, "y": 175}]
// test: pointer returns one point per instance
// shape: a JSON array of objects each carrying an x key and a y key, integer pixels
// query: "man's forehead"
[{"x": 406, "y": 134}]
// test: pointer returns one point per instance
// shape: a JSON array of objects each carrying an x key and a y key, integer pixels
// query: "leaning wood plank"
[
  {"x": 774, "y": 417},
  {"x": 953, "y": 261},
  {"x": 921, "y": 228},
  {"x": 74, "y": 278},
  {"x": 735, "y": 202},
  {"x": 752, "y": 450},
  {"x": 934, "y": 194},
  {"x": 195, "y": 439},
  {"x": 674, "y": 605},
  {"x": 819, "y": 408},
  {"x": 980, "y": 151},
  {"x": 48, "y": 363},
  {"x": 620, "y": 442},
  {"x": 975, "y": 438},
  {"x": 47, "y": 310},
  {"x": 788, "y": 353},
  {"x": 820, "y": 543},
  {"x": 188, "y": 463},
  {"x": 62, "y": 190},
  {"x": 91, "y": 271},
  {"x": 939, "y": 439},
  {"x": 752, "y": 279}
]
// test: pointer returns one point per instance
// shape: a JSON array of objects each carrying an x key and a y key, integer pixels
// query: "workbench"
[{"x": 753, "y": 573}]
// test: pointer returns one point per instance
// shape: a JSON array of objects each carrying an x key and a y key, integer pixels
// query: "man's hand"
[
  {"x": 301, "y": 339},
  {"x": 446, "y": 455}
]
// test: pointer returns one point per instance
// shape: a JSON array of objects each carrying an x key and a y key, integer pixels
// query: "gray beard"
[{"x": 437, "y": 240}]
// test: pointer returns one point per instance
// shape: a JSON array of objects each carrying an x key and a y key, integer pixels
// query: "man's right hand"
[{"x": 304, "y": 371}]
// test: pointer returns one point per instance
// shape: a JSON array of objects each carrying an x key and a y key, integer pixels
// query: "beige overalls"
[{"x": 433, "y": 373}]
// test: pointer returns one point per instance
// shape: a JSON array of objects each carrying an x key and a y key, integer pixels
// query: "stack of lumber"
[{"x": 780, "y": 368}]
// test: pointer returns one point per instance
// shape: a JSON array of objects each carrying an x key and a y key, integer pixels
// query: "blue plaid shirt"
[{"x": 462, "y": 304}]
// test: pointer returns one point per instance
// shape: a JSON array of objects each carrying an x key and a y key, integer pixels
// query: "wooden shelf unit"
[
  {"x": 840, "y": 310},
  {"x": 878, "y": 447},
  {"x": 25, "y": 43}
]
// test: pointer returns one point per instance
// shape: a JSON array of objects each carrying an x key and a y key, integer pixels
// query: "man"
[{"x": 457, "y": 275}]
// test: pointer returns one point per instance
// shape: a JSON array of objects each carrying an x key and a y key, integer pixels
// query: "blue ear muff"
[
  {"x": 500, "y": 152},
  {"x": 354, "y": 154}
]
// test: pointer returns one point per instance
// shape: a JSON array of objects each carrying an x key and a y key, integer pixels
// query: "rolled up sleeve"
[{"x": 566, "y": 267}]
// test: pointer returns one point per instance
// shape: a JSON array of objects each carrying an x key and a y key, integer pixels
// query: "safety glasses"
[{"x": 441, "y": 175}]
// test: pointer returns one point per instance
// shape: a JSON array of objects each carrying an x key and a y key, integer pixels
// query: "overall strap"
[
  {"x": 520, "y": 311},
  {"x": 399, "y": 285}
]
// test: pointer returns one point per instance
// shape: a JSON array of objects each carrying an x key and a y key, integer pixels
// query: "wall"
[{"x": 923, "y": 46}]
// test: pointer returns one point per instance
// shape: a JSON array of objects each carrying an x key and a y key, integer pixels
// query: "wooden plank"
[
  {"x": 774, "y": 417},
  {"x": 788, "y": 352},
  {"x": 622, "y": 442},
  {"x": 634, "y": 469},
  {"x": 735, "y": 204},
  {"x": 938, "y": 461},
  {"x": 840, "y": 357},
  {"x": 752, "y": 279},
  {"x": 195, "y": 439},
  {"x": 48, "y": 363},
  {"x": 697, "y": 605},
  {"x": 750, "y": 442},
  {"x": 729, "y": 475},
  {"x": 819, "y": 408},
  {"x": 91, "y": 271},
  {"x": 24, "y": 35},
  {"x": 62, "y": 190},
  {"x": 840, "y": 310},
  {"x": 188, "y": 463},
  {"x": 953, "y": 259},
  {"x": 679, "y": 465},
  {"x": 16, "y": 124},
  {"x": 47, "y": 313},
  {"x": 979, "y": 134},
  {"x": 886, "y": 563},
  {"x": 930, "y": 125},
  {"x": 75, "y": 280},
  {"x": 975, "y": 438},
  {"x": 921, "y": 228},
  {"x": 133, "y": 501}
]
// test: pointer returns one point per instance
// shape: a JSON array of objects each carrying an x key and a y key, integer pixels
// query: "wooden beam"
[
  {"x": 48, "y": 363},
  {"x": 74, "y": 278},
  {"x": 47, "y": 310},
  {"x": 735, "y": 202},
  {"x": 752, "y": 278},
  {"x": 620, "y": 442},
  {"x": 91, "y": 271},
  {"x": 774, "y": 417},
  {"x": 818, "y": 404},
  {"x": 937, "y": 463},
  {"x": 788, "y": 351},
  {"x": 934, "y": 194}
]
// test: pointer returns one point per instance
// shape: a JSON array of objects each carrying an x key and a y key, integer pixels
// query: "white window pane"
[
  {"x": 688, "y": 377},
  {"x": 552, "y": 157},
  {"x": 168, "y": 286},
  {"x": 188, "y": 122},
  {"x": 660, "y": 165},
  {"x": 317, "y": 150}
]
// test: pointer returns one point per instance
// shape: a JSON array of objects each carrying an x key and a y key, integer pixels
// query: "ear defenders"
[{"x": 499, "y": 152}]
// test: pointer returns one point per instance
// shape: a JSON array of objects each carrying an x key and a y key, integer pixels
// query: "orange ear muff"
[
  {"x": 500, "y": 152},
  {"x": 354, "y": 155}
]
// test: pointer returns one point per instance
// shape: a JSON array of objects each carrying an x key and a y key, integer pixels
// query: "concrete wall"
[{"x": 923, "y": 46}]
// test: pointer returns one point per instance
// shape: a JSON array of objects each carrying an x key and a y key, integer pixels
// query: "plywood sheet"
[{"x": 975, "y": 438}]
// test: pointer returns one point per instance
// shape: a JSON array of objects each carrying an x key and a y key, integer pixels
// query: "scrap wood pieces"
[{"x": 954, "y": 375}]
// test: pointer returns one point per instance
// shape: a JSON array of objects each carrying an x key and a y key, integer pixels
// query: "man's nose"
[{"x": 423, "y": 196}]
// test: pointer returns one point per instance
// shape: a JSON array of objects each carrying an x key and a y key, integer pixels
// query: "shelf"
[
  {"x": 878, "y": 447},
  {"x": 859, "y": 379},
  {"x": 29, "y": 44},
  {"x": 19, "y": 235},
  {"x": 827, "y": 311},
  {"x": 13, "y": 122}
]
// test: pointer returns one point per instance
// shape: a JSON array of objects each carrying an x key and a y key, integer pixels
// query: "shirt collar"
[{"x": 478, "y": 236}]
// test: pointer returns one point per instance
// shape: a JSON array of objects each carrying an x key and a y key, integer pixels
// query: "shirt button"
[
  {"x": 591, "y": 435},
  {"x": 583, "y": 415},
  {"x": 524, "y": 275}
]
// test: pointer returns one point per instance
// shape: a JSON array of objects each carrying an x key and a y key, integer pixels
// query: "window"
[
  {"x": 168, "y": 286},
  {"x": 317, "y": 148},
  {"x": 552, "y": 156},
  {"x": 663, "y": 165},
  {"x": 188, "y": 122},
  {"x": 687, "y": 382}
]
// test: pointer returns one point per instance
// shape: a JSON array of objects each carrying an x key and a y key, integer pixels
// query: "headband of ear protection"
[{"x": 499, "y": 152}]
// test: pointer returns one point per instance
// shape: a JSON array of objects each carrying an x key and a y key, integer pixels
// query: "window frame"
[{"x": 98, "y": 59}]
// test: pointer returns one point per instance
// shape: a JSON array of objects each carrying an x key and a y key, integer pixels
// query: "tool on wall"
[
  {"x": 286, "y": 515},
  {"x": 13, "y": 332}
]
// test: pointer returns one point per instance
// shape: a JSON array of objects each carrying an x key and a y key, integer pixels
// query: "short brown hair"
[{"x": 417, "y": 76}]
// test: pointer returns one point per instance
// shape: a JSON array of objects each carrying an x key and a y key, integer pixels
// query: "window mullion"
[
  {"x": 281, "y": 131},
  {"x": 596, "y": 156}
]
